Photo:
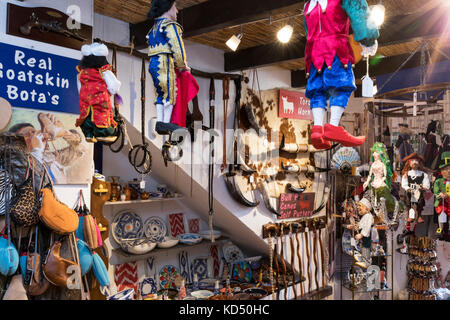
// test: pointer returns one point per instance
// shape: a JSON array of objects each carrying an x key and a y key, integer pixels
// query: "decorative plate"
[
  {"x": 242, "y": 272},
  {"x": 202, "y": 294},
  {"x": 168, "y": 276},
  {"x": 155, "y": 229},
  {"x": 190, "y": 238},
  {"x": 123, "y": 295},
  {"x": 148, "y": 286},
  {"x": 127, "y": 225},
  {"x": 205, "y": 234},
  {"x": 137, "y": 246},
  {"x": 232, "y": 253},
  {"x": 200, "y": 267},
  {"x": 168, "y": 242}
]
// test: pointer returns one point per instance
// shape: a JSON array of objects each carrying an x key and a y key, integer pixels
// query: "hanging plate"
[
  {"x": 155, "y": 229},
  {"x": 127, "y": 225}
]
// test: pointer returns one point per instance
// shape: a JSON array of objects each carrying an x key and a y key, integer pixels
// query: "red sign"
[
  {"x": 294, "y": 105},
  {"x": 296, "y": 205}
]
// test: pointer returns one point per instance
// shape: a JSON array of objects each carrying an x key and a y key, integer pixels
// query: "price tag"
[{"x": 142, "y": 184}]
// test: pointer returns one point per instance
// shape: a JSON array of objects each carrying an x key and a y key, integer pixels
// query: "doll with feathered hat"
[
  {"x": 96, "y": 84},
  {"x": 167, "y": 54}
]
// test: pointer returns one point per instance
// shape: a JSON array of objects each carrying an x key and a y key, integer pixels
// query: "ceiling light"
[
  {"x": 235, "y": 40},
  {"x": 285, "y": 33},
  {"x": 377, "y": 13}
]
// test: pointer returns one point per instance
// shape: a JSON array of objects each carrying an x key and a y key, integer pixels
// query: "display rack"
[{"x": 118, "y": 203}]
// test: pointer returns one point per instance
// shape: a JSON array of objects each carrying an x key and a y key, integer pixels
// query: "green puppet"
[{"x": 441, "y": 192}]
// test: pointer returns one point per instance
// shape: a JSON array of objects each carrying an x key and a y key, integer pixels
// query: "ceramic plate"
[
  {"x": 148, "y": 286},
  {"x": 123, "y": 295},
  {"x": 168, "y": 242},
  {"x": 200, "y": 268},
  {"x": 155, "y": 229},
  {"x": 232, "y": 253},
  {"x": 127, "y": 225},
  {"x": 190, "y": 238},
  {"x": 202, "y": 294},
  {"x": 168, "y": 276},
  {"x": 242, "y": 272},
  {"x": 138, "y": 246},
  {"x": 205, "y": 234}
]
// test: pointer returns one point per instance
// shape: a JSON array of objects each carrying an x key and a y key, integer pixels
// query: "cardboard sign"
[
  {"x": 38, "y": 80},
  {"x": 296, "y": 205},
  {"x": 294, "y": 105}
]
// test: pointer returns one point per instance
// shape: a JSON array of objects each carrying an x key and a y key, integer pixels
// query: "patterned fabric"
[
  {"x": 194, "y": 225},
  {"x": 184, "y": 266},
  {"x": 176, "y": 221},
  {"x": 126, "y": 276},
  {"x": 215, "y": 255},
  {"x": 327, "y": 33},
  {"x": 5, "y": 186},
  {"x": 162, "y": 70},
  {"x": 95, "y": 99}
]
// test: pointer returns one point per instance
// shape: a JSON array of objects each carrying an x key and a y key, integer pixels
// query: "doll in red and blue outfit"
[{"x": 329, "y": 59}]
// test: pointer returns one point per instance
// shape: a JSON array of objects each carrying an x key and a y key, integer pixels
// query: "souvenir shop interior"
[{"x": 224, "y": 150}]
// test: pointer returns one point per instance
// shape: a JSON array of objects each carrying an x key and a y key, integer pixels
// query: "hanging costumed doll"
[
  {"x": 167, "y": 60},
  {"x": 96, "y": 84},
  {"x": 441, "y": 190},
  {"x": 415, "y": 182},
  {"x": 329, "y": 58}
]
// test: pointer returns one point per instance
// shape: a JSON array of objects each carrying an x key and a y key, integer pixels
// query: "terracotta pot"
[
  {"x": 116, "y": 189},
  {"x": 145, "y": 195},
  {"x": 127, "y": 192}
]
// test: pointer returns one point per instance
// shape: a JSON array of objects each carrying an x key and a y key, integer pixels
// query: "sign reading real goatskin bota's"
[
  {"x": 294, "y": 105},
  {"x": 296, "y": 205},
  {"x": 38, "y": 80}
]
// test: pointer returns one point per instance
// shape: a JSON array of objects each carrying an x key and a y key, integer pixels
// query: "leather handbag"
[
  {"x": 25, "y": 204},
  {"x": 100, "y": 271},
  {"x": 90, "y": 232},
  {"x": 16, "y": 289},
  {"x": 56, "y": 267}
]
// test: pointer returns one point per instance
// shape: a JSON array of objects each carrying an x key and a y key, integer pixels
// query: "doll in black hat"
[{"x": 167, "y": 54}]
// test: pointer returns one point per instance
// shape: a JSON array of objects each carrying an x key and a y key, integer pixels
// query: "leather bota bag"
[
  {"x": 56, "y": 267},
  {"x": 56, "y": 215},
  {"x": 90, "y": 232},
  {"x": 25, "y": 204}
]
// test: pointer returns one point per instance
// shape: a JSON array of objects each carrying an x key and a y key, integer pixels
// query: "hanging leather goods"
[
  {"x": 308, "y": 263},
  {"x": 139, "y": 155},
  {"x": 212, "y": 97},
  {"x": 291, "y": 243},
  {"x": 249, "y": 109},
  {"x": 120, "y": 131},
  {"x": 277, "y": 274},
  {"x": 283, "y": 263},
  {"x": 300, "y": 264},
  {"x": 76, "y": 255},
  {"x": 226, "y": 97},
  {"x": 316, "y": 264},
  {"x": 271, "y": 230}
]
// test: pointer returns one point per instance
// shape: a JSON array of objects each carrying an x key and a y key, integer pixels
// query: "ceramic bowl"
[
  {"x": 137, "y": 246},
  {"x": 190, "y": 238},
  {"x": 202, "y": 294},
  {"x": 208, "y": 284},
  {"x": 123, "y": 295},
  {"x": 168, "y": 242},
  {"x": 206, "y": 235}
]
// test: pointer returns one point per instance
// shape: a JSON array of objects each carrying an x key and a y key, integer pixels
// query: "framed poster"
[
  {"x": 294, "y": 105},
  {"x": 53, "y": 139}
]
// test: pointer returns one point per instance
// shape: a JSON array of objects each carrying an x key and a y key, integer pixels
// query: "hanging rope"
[
  {"x": 212, "y": 95},
  {"x": 139, "y": 155}
]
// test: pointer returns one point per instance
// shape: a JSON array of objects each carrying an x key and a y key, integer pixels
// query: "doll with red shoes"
[{"x": 329, "y": 59}]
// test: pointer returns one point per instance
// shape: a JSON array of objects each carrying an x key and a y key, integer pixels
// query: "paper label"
[{"x": 367, "y": 87}]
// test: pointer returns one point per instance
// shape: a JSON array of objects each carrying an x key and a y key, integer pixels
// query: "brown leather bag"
[
  {"x": 90, "y": 232},
  {"x": 56, "y": 267}
]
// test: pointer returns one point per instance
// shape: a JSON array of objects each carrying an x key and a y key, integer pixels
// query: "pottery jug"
[{"x": 115, "y": 189}]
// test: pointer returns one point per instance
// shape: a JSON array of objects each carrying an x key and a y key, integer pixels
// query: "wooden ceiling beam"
[
  {"x": 396, "y": 30},
  {"x": 214, "y": 15}
]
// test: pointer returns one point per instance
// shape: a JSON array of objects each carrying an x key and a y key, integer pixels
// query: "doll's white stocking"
[
  {"x": 167, "y": 113},
  {"x": 159, "y": 113},
  {"x": 336, "y": 114}
]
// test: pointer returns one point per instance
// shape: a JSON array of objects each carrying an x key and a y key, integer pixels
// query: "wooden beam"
[
  {"x": 214, "y": 15},
  {"x": 397, "y": 30}
]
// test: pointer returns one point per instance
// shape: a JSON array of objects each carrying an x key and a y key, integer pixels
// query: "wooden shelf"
[
  {"x": 119, "y": 256},
  {"x": 119, "y": 203}
]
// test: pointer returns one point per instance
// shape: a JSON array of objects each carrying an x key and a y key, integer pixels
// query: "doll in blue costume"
[{"x": 167, "y": 53}]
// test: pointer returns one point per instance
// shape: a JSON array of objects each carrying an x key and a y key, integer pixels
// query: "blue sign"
[{"x": 38, "y": 80}]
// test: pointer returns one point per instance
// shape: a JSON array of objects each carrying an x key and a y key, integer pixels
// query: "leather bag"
[
  {"x": 35, "y": 282},
  {"x": 25, "y": 204},
  {"x": 90, "y": 232},
  {"x": 85, "y": 255},
  {"x": 16, "y": 289},
  {"x": 100, "y": 271},
  {"x": 9, "y": 257},
  {"x": 56, "y": 267}
]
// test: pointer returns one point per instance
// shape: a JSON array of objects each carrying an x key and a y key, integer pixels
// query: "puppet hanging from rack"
[
  {"x": 96, "y": 83},
  {"x": 329, "y": 58},
  {"x": 441, "y": 190},
  {"x": 168, "y": 67}
]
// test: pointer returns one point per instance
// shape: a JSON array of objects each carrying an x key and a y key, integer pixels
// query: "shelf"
[
  {"x": 119, "y": 203},
  {"x": 119, "y": 256},
  {"x": 364, "y": 289}
]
